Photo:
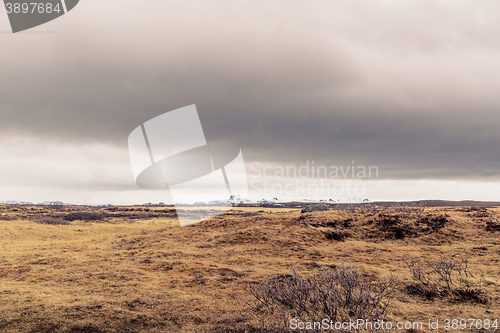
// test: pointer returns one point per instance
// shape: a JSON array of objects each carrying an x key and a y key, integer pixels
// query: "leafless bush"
[
  {"x": 334, "y": 230},
  {"x": 443, "y": 277},
  {"x": 470, "y": 209},
  {"x": 83, "y": 216},
  {"x": 337, "y": 235},
  {"x": 478, "y": 212},
  {"x": 52, "y": 221},
  {"x": 416, "y": 210},
  {"x": 336, "y": 224},
  {"x": 337, "y": 293},
  {"x": 403, "y": 225},
  {"x": 492, "y": 226},
  {"x": 395, "y": 226},
  {"x": 371, "y": 209},
  {"x": 137, "y": 215},
  {"x": 473, "y": 295},
  {"x": 431, "y": 223}
]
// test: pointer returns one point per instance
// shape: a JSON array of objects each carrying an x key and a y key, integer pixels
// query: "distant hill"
[
  {"x": 237, "y": 201},
  {"x": 421, "y": 203}
]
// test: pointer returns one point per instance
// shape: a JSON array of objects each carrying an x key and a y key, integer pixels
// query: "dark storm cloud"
[{"x": 410, "y": 89}]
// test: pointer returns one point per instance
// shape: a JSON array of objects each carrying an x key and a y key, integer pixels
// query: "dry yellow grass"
[{"x": 149, "y": 275}]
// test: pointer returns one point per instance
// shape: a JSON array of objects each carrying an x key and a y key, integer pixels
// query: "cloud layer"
[{"x": 408, "y": 86}]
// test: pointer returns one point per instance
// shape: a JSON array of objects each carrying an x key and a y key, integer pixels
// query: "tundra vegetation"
[{"x": 251, "y": 269}]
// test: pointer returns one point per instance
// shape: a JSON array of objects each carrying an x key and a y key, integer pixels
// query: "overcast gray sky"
[{"x": 407, "y": 86}]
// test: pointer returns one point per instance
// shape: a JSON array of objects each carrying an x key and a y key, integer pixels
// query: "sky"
[{"x": 406, "y": 87}]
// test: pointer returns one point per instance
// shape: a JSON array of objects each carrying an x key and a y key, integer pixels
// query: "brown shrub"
[
  {"x": 84, "y": 216},
  {"x": 441, "y": 278},
  {"x": 338, "y": 293},
  {"x": 401, "y": 226},
  {"x": 51, "y": 220},
  {"x": 492, "y": 226}
]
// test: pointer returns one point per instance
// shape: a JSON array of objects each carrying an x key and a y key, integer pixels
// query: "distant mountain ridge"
[
  {"x": 44, "y": 203},
  {"x": 48, "y": 203},
  {"x": 275, "y": 201}
]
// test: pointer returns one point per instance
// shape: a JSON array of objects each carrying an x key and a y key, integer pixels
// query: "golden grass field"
[{"x": 138, "y": 271}]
